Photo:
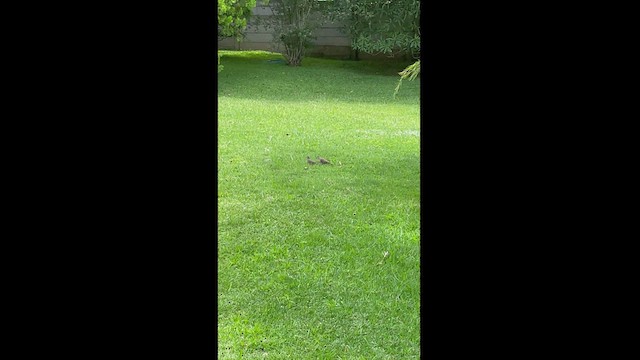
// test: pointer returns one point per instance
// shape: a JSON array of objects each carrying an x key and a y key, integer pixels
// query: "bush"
[
  {"x": 296, "y": 41},
  {"x": 293, "y": 22}
]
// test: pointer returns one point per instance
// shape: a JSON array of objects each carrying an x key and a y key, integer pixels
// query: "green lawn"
[{"x": 301, "y": 273}]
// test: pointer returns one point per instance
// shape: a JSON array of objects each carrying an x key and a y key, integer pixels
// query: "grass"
[{"x": 301, "y": 271}]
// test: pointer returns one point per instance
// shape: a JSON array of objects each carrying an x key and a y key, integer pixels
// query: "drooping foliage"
[{"x": 410, "y": 73}]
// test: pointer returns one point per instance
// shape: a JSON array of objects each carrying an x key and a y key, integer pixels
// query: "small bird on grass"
[
  {"x": 323, "y": 160},
  {"x": 310, "y": 162}
]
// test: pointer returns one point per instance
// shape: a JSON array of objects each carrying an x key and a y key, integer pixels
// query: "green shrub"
[{"x": 293, "y": 22}]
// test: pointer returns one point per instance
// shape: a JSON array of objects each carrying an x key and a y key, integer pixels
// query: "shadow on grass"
[
  {"x": 382, "y": 67},
  {"x": 263, "y": 75}
]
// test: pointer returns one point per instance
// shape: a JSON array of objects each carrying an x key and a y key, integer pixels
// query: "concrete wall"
[{"x": 330, "y": 41}]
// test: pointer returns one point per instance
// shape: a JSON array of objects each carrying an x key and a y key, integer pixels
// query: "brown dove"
[
  {"x": 310, "y": 162},
  {"x": 323, "y": 160}
]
